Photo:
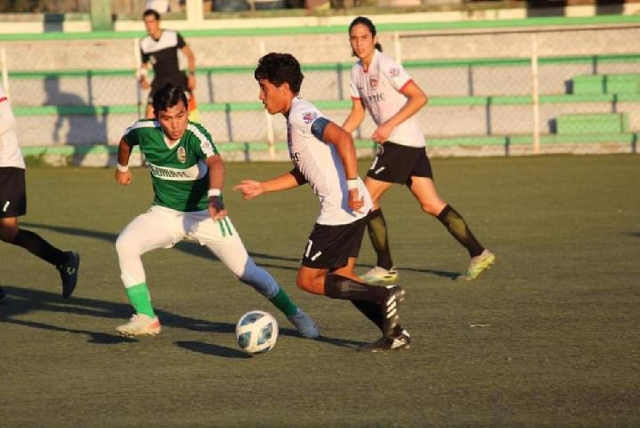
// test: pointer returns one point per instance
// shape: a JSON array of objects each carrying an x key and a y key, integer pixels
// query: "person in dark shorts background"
[
  {"x": 13, "y": 204},
  {"x": 159, "y": 49},
  {"x": 381, "y": 86}
]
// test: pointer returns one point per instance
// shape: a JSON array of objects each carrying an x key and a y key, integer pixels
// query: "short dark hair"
[
  {"x": 279, "y": 68},
  {"x": 150, "y": 12},
  {"x": 365, "y": 21},
  {"x": 167, "y": 97}
]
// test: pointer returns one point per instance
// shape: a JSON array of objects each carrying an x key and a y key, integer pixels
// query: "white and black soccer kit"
[
  {"x": 338, "y": 231},
  {"x": 13, "y": 196},
  {"x": 163, "y": 56},
  {"x": 379, "y": 88}
]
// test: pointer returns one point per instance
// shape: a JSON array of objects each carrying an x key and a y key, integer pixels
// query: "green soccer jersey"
[{"x": 179, "y": 173}]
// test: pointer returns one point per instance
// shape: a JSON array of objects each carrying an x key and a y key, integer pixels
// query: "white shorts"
[{"x": 162, "y": 227}]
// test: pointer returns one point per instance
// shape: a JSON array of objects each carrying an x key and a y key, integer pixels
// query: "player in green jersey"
[{"x": 187, "y": 174}]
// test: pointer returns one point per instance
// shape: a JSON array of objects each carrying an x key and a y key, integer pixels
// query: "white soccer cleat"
[
  {"x": 305, "y": 324},
  {"x": 140, "y": 325},
  {"x": 380, "y": 276},
  {"x": 478, "y": 265}
]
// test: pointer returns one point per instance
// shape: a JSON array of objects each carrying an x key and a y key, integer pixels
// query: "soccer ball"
[{"x": 257, "y": 332}]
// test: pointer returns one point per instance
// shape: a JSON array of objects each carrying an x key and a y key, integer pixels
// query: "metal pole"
[{"x": 535, "y": 94}]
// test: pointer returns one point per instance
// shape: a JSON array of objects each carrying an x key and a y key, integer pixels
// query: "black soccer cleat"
[
  {"x": 69, "y": 273},
  {"x": 397, "y": 341},
  {"x": 2, "y": 294},
  {"x": 390, "y": 313}
]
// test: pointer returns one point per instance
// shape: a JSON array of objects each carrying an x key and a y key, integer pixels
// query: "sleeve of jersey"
[
  {"x": 302, "y": 121},
  {"x": 205, "y": 146},
  {"x": 181, "y": 42},
  {"x": 355, "y": 94},
  {"x": 131, "y": 135},
  {"x": 397, "y": 75}
]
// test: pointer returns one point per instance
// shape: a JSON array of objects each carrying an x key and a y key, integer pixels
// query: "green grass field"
[{"x": 549, "y": 337}]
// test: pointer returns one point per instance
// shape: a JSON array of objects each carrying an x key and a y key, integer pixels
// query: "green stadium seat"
[
  {"x": 606, "y": 84},
  {"x": 602, "y": 123}
]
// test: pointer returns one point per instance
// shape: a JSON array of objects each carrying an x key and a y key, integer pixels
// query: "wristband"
[
  {"x": 352, "y": 183},
  {"x": 122, "y": 168},
  {"x": 213, "y": 192}
]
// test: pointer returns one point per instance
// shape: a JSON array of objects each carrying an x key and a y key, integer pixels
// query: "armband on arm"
[{"x": 318, "y": 126}]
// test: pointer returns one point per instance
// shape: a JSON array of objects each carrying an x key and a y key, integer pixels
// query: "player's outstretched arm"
[
  {"x": 252, "y": 188},
  {"x": 123, "y": 175}
]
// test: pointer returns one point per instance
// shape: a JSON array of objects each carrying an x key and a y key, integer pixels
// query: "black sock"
[
  {"x": 339, "y": 287},
  {"x": 33, "y": 243},
  {"x": 371, "y": 310},
  {"x": 377, "y": 228},
  {"x": 458, "y": 228}
]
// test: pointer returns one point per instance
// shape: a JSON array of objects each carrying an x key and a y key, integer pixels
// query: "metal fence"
[{"x": 549, "y": 88}]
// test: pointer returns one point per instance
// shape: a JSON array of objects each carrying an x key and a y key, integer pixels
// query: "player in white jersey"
[
  {"x": 324, "y": 156},
  {"x": 382, "y": 87},
  {"x": 188, "y": 176},
  {"x": 13, "y": 204}
]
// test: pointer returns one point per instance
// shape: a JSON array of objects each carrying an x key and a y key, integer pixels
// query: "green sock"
[
  {"x": 140, "y": 299},
  {"x": 284, "y": 303}
]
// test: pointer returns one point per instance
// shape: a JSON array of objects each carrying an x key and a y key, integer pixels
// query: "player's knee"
[
  {"x": 310, "y": 283},
  {"x": 126, "y": 245},
  {"x": 432, "y": 208},
  {"x": 303, "y": 282}
]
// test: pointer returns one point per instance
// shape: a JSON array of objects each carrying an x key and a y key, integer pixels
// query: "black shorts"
[
  {"x": 13, "y": 192},
  {"x": 177, "y": 80},
  {"x": 395, "y": 163},
  {"x": 329, "y": 247}
]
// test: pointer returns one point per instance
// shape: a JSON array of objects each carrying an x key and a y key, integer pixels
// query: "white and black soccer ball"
[{"x": 257, "y": 332}]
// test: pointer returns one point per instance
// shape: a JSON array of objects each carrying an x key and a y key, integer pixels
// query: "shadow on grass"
[
  {"x": 211, "y": 349},
  {"x": 633, "y": 234},
  {"x": 20, "y": 301},
  {"x": 191, "y": 248},
  {"x": 194, "y": 249}
]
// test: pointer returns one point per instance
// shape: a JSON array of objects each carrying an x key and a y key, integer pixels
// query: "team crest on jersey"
[
  {"x": 182, "y": 154},
  {"x": 309, "y": 116},
  {"x": 394, "y": 72},
  {"x": 373, "y": 81}
]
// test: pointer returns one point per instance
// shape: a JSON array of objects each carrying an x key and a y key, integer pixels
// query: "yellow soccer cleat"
[{"x": 478, "y": 265}]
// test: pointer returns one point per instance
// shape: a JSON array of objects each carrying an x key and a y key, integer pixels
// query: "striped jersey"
[
  {"x": 10, "y": 154},
  {"x": 179, "y": 173},
  {"x": 321, "y": 166},
  {"x": 379, "y": 89}
]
